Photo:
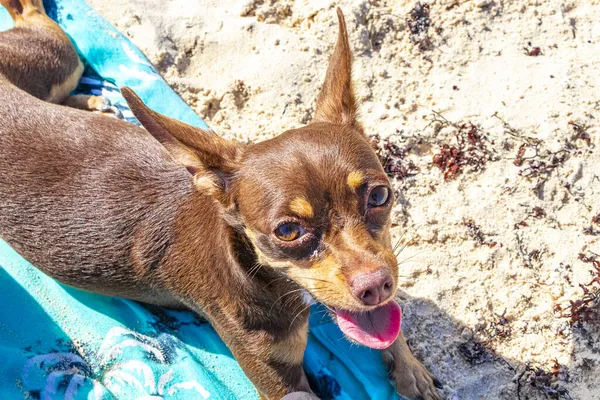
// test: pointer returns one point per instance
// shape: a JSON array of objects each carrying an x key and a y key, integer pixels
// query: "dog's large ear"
[
  {"x": 211, "y": 159},
  {"x": 336, "y": 103}
]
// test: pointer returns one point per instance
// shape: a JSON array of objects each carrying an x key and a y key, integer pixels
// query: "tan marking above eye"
[
  {"x": 355, "y": 179},
  {"x": 302, "y": 207}
]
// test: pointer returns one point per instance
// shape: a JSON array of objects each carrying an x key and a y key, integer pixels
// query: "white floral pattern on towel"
[{"x": 120, "y": 370}]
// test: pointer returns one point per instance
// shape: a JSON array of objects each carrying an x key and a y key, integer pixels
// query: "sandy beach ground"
[{"x": 487, "y": 117}]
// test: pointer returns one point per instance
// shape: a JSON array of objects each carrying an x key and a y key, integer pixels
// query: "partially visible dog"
[{"x": 183, "y": 218}]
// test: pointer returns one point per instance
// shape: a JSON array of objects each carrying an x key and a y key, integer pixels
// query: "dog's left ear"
[
  {"x": 336, "y": 103},
  {"x": 211, "y": 159}
]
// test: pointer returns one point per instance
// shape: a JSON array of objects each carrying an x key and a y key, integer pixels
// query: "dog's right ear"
[
  {"x": 336, "y": 103},
  {"x": 211, "y": 159}
]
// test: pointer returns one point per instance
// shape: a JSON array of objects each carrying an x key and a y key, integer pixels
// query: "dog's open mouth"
[{"x": 377, "y": 328}]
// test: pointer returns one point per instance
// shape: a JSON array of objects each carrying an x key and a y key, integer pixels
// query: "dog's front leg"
[
  {"x": 272, "y": 362},
  {"x": 410, "y": 376}
]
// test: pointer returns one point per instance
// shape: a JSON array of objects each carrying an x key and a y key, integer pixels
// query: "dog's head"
[{"x": 315, "y": 201}]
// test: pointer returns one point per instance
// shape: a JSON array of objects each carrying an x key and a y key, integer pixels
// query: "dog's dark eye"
[
  {"x": 378, "y": 196},
  {"x": 289, "y": 231}
]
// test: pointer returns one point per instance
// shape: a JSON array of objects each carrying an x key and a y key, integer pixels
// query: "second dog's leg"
[
  {"x": 38, "y": 57},
  {"x": 16, "y": 8}
]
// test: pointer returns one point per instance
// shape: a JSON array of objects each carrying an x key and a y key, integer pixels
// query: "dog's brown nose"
[{"x": 372, "y": 288}]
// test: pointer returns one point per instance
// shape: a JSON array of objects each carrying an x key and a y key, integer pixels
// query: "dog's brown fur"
[{"x": 101, "y": 205}]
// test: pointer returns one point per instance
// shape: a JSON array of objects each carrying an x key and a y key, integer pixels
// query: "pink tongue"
[{"x": 376, "y": 329}]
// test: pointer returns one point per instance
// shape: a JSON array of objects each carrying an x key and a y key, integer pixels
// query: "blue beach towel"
[{"x": 57, "y": 342}]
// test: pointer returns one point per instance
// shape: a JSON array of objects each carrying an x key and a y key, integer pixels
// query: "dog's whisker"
[
  {"x": 329, "y": 308},
  {"x": 254, "y": 270},
  {"x": 410, "y": 258},
  {"x": 399, "y": 251},
  {"x": 402, "y": 248},
  {"x": 278, "y": 279},
  {"x": 282, "y": 296},
  {"x": 297, "y": 315},
  {"x": 399, "y": 241},
  {"x": 314, "y": 279},
  {"x": 289, "y": 300}
]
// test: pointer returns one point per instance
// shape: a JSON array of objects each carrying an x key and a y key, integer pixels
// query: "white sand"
[{"x": 252, "y": 69}]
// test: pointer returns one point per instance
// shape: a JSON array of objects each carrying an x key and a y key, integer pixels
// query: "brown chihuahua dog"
[{"x": 183, "y": 218}]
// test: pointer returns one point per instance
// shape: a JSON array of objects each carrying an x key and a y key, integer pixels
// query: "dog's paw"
[
  {"x": 99, "y": 103},
  {"x": 103, "y": 105},
  {"x": 411, "y": 378},
  {"x": 96, "y": 104}
]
